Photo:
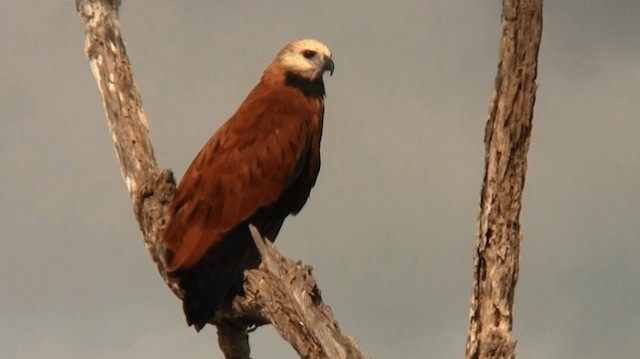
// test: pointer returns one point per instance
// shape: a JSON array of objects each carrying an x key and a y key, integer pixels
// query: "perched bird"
[{"x": 258, "y": 168}]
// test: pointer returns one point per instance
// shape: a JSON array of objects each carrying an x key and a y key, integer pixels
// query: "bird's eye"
[{"x": 308, "y": 54}]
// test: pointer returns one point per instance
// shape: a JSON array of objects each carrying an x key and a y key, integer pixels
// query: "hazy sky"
[{"x": 390, "y": 226}]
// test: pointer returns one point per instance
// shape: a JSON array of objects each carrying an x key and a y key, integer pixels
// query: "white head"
[{"x": 307, "y": 58}]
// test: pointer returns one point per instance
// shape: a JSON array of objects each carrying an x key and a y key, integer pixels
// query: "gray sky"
[{"x": 390, "y": 226}]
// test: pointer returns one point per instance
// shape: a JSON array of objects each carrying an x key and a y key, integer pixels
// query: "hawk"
[{"x": 258, "y": 168}]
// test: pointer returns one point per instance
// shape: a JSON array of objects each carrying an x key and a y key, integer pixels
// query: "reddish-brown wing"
[{"x": 246, "y": 165}]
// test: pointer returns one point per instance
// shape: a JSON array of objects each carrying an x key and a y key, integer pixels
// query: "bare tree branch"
[
  {"x": 280, "y": 291},
  {"x": 496, "y": 261},
  {"x": 150, "y": 189},
  {"x": 286, "y": 292}
]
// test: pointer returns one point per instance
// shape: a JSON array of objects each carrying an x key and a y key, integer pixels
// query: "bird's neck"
[{"x": 313, "y": 88}]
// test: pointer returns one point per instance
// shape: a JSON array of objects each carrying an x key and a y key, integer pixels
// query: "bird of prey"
[{"x": 258, "y": 168}]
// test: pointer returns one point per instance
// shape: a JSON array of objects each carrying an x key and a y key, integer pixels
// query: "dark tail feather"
[
  {"x": 198, "y": 308},
  {"x": 218, "y": 278},
  {"x": 215, "y": 282}
]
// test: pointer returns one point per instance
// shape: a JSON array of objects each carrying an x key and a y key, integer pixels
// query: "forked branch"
[{"x": 280, "y": 292}]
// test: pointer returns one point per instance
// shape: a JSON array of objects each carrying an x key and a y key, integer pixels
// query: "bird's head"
[{"x": 306, "y": 58}]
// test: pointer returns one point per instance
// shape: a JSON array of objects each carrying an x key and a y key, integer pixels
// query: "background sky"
[{"x": 390, "y": 226}]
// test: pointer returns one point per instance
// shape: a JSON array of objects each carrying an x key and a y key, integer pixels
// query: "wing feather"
[{"x": 245, "y": 166}]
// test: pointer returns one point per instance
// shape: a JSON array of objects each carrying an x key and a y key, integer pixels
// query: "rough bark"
[
  {"x": 280, "y": 292},
  {"x": 508, "y": 129},
  {"x": 286, "y": 292},
  {"x": 150, "y": 188}
]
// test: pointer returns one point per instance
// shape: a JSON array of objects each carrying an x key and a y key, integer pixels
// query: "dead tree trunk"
[
  {"x": 508, "y": 129},
  {"x": 280, "y": 291}
]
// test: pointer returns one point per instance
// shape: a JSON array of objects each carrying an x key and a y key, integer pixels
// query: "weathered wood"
[
  {"x": 496, "y": 260},
  {"x": 286, "y": 292},
  {"x": 233, "y": 339},
  {"x": 150, "y": 189},
  {"x": 295, "y": 308}
]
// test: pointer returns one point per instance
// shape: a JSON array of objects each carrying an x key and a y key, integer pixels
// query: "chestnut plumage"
[{"x": 258, "y": 168}]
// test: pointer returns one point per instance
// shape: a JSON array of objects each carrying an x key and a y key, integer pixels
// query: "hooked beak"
[{"x": 328, "y": 66}]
